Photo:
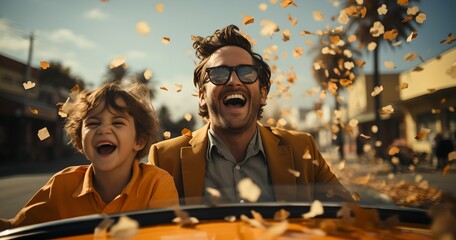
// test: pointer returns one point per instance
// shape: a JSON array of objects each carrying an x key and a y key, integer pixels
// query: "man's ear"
[
  {"x": 264, "y": 95},
  {"x": 202, "y": 97}
]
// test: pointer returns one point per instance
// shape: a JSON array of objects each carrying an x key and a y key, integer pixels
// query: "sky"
[{"x": 87, "y": 35}]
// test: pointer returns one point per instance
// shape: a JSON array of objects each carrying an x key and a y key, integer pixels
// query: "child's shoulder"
[
  {"x": 148, "y": 169},
  {"x": 72, "y": 171}
]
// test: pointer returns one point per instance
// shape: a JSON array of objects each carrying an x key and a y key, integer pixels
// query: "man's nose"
[{"x": 234, "y": 80}]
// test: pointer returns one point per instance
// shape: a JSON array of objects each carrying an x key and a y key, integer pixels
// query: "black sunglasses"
[{"x": 220, "y": 75}]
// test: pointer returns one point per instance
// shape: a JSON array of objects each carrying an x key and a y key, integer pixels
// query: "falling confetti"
[
  {"x": 248, "y": 20},
  {"x": 377, "y": 91},
  {"x": 28, "y": 85},
  {"x": 125, "y": 228},
  {"x": 248, "y": 190},
  {"x": 43, "y": 133},
  {"x": 450, "y": 39},
  {"x": 316, "y": 208},
  {"x": 160, "y": 7},
  {"x": 116, "y": 62},
  {"x": 188, "y": 117},
  {"x": 143, "y": 28},
  {"x": 166, "y": 40},
  {"x": 148, "y": 74},
  {"x": 33, "y": 111},
  {"x": 167, "y": 135},
  {"x": 294, "y": 172},
  {"x": 44, "y": 65}
]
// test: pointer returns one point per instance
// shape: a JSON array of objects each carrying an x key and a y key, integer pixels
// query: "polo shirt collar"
[{"x": 86, "y": 186}]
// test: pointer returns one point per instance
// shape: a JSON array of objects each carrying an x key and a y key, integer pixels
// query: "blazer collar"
[
  {"x": 193, "y": 162},
  {"x": 280, "y": 160}
]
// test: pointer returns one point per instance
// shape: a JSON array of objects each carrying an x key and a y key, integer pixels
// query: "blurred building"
[
  {"x": 24, "y": 112},
  {"x": 423, "y": 98}
]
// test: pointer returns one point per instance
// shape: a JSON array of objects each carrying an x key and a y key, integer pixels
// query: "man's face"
[{"x": 233, "y": 106}]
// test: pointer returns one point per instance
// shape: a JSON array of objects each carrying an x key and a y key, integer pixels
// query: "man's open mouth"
[{"x": 236, "y": 100}]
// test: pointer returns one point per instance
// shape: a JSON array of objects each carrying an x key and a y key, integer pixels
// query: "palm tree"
[
  {"x": 394, "y": 19},
  {"x": 334, "y": 68}
]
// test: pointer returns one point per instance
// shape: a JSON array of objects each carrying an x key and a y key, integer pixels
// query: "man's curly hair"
[
  {"x": 228, "y": 36},
  {"x": 138, "y": 105}
]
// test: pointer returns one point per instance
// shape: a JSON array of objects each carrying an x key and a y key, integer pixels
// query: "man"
[{"x": 233, "y": 84}]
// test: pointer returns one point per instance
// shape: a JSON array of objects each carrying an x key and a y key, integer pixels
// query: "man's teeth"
[{"x": 235, "y": 96}]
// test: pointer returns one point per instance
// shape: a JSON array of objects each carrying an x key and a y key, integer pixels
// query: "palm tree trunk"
[
  {"x": 377, "y": 102},
  {"x": 340, "y": 133}
]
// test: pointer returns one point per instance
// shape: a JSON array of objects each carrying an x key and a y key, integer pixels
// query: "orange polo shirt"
[{"x": 70, "y": 193}]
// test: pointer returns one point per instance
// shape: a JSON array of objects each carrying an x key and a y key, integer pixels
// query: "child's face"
[{"x": 109, "y": 138}]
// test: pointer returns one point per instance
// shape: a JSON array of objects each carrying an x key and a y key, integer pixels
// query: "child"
[{"x": 113, "y": 126}]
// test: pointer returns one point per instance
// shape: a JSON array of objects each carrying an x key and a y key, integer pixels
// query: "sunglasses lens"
[
  {"x": 247, "y": 74},
  {"x": 218, "y": 76}
]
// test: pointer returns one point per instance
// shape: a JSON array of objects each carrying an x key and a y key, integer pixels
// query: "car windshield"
[{"x": 371, "y": 83}]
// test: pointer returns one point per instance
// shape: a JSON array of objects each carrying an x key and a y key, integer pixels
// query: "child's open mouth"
[{"x": 106, "y": 148}]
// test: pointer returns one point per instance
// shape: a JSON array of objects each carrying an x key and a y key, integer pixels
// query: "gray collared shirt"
[{"x": 223, "y": 172}]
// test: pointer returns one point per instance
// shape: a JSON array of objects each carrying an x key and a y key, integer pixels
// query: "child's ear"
[
  {"x": 140, "y": 144},
  {"x": 79, "y": 145}
]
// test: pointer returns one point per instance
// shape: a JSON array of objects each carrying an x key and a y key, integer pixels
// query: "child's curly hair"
[{"x": 138, "y": 105}]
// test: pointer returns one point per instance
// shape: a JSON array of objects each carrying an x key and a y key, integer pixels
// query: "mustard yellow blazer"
[{"x": 184, "y": 158}]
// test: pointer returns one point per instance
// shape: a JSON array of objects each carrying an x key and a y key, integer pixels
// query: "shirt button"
[
  {"x": 238, "y": 167},
  {"x": 242, "y": 201}
]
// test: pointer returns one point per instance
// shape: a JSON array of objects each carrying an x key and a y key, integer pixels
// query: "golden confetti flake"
[
  {"x": 188, "y": 117},
  {"x": 286, "y": 35},
  {"x": 452, "y": 156},
  {"x": 377, "y": 90},
  {"x": 307, "y": 155},
  {"x": 33, "y": 111},
  {"x": 412, "y": 11},
  {"x": 389, "y": 64},
  {"x": 412, "y": 36},
  {"x": 164, "y": 88},
  {"x": 393, "y": 151},
  {"x": 387, "y": 110},
  {"x": 214, "y": 193},
  {"x": 248, "y": 190},
  {"x": 125, "y": 228},
  {"x": 286, "y": 3},
  {"x": 422, "y": 133},
  {"x": 382, "y": 10},
  {"x": 417, "y": 69},
  {"x": 374, "y": 129},
  {"x": 446, "y": 169},
  {"x": 377, "y": 30},
  {"x": 297, "y": 52},
  {"x": 294, "y": 172},
  {"x": 407, "y": 19},
  {"x": 371, "y": 46},
  {"x": 248, "y": 20},
  {"x": 411, "y": 56},
  {"x": 318, "y": 16},
  {"x": 148, "y": 74},
  {"x": 365, "y": 136},
  {"x": 160, "y": 7},
  {"x": 44, "y": 65},
  {"x": 167, "y": 135},
  {"x": 403, "y": 2},
  {"x": 360, "y": 63},
  {"x": 116, "y": 62},
  {"x": 316, "y": 208},
  {"x": 43, "y": 133},
  {"x": 450, "y": 39},
  {"x": 166, "y": 40},
  {"x": 184, "y": 219},
  {"x": 390, "y": 35},
  {"x": 178, "y": 87},
  {"x": 28, "y": 85},
  {"x": 420, "y": 18},
  {"x": 143, "y": 28},
  {"x": 263, "y": 6},
  {"x": 268, "y": 28},
  {"x": 186, "y": 132},
  {"x": 343, "y": 17},
  {"x": 403, "y": 86},
  {"x": 356, "y": 196}
]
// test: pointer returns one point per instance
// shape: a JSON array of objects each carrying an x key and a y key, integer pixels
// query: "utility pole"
[{"x": 29, "y": 59}]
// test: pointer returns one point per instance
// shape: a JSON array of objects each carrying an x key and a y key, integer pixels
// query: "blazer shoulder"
[{"x": 291, "y": 135}]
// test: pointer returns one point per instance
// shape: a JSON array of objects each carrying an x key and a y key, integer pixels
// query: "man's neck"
[{"x": 236, "y": 142}]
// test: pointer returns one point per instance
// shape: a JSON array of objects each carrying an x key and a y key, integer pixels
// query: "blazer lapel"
[
  {"x": 280, "y": 159},
  {"x": 193, "y": 162}
]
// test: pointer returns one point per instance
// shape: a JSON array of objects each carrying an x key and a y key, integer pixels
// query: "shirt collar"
[
  {"x": 86, "y": 186},
  {"x": 215, "y": 143}
]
